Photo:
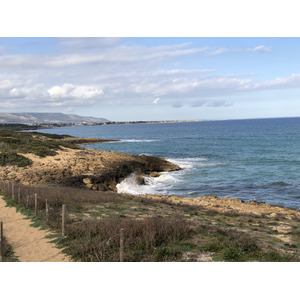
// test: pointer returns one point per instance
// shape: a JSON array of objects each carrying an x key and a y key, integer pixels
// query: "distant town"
[{"x": 111, "y": 123}]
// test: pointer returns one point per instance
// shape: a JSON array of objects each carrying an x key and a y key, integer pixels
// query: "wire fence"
[
  {"x": 55, "y": 215},
  {"x": 68, "y": 212}
]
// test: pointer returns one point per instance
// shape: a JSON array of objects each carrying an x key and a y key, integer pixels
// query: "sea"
[{"x": 255, "y": 159}]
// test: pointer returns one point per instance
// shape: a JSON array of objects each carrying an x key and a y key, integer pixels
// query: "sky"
[{"x": 163, "y": 78}]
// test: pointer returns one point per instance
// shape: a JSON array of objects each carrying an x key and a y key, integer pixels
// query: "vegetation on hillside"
[
  {"x": 13, "y": 144},
  {"x": 154, "y": 230},
  {"x": 18, "y": 127}
]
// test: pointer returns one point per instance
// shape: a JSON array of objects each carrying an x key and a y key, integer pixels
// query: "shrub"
[
  {"x": 12, "y": 158},
  {"x": 145, "y": 240},
  {"x": 232, "y": 254}
]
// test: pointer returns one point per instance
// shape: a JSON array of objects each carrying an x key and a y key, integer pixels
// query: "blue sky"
[{"x": 152, "y": 78}]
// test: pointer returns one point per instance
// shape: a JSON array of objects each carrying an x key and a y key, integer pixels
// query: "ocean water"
[{"x": 256, "y": 159}]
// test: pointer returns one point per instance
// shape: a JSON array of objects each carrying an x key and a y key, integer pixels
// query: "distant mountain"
[{"x": 39, "y": 118}]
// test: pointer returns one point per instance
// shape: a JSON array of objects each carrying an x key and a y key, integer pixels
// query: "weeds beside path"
[{"x": 29, "y": 243}]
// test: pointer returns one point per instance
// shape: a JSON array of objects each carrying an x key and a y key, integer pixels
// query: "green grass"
[
  {"x": 8, "y": 252},
  {"x": 233, "y": 246}
]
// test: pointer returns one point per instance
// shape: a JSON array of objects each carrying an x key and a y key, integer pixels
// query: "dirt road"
[{"x": 29, "y": 243}]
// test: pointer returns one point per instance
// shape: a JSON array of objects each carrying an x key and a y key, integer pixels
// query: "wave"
[
  {"x": 167, "y": 181},
  {"x": 192, "y": 162},
  {"x": 136, "y": 141},
  {"x": 152, "y": 185}
]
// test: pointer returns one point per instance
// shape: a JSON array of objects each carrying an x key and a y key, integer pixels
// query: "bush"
[
  {"x": 40, "y": 144},
  {"x": 12, "y": 158},
  {"x": 232, "y": 254},
  {"x": 230, "y": 244},
  {"x": 145, "y": 240},
  {"x": 43, "y": 151}
]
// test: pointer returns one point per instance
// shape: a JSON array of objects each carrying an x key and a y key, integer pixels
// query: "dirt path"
[{"x": 29, "y": 243}]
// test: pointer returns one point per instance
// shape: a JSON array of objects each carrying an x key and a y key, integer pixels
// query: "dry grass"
[
  {"x": 98, "y": 240},
  {"x": 154, "y": 230}
]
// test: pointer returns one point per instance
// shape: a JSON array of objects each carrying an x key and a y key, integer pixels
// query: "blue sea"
[{"x": 257, "y": 159}]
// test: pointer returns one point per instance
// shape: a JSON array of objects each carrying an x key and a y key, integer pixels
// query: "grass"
[
  {"x": 145, "y": 240},
  {"x": 234, "y": 246},
  {"x": 8, "y": 253},
  {"x": 154, "y": 230}
]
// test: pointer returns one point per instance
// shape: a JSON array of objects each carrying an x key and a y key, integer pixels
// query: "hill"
[{"x": 41, "y": 118}]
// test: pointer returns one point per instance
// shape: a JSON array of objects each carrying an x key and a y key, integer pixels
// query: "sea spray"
[{"x": 152, "y": 185}]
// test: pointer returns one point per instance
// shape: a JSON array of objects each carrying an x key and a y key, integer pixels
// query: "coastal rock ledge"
[{"x": 93, "y": 169}]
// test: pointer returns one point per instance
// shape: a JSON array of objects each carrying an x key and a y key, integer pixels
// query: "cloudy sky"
[{"x": 152, "y": 78}]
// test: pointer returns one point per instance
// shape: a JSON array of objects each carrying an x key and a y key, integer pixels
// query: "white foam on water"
[
  {"x": 136, "y": 141},
  {"x": 152, "y": 185},
  {"x": 132, "y": 141},
  {"x": 166, "y": 181},
  {"x": 192, "y": 162},
  {"x": 189, "y": 162}
]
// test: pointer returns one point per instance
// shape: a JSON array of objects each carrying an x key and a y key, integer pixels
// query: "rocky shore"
[
  {"x": 93, "y": 169},
  {"x": 103, "y": 170},
  {"x": 231, "y": 205}
]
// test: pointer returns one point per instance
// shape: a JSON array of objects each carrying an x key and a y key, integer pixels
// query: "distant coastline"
[
  {"x": 34, "y": 126},
  {"x": 53, "y": 125},
  {"x": 115, "y": 123}
]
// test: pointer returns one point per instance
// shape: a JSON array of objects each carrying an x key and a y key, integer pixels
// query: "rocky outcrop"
[
  {"x": 103, "y": 170},
  {"x": 93, "y": 169},
  {"x": 230, "y": 206}
]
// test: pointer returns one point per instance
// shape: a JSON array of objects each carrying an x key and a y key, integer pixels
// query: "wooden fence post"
[
  {"x": 47, "y": 212},
  {"x": 27, "y": 198},
  {"x": 1, "y": 241},
  {"x": 19, "y": 195},
  {"x": 13, "y": 191},
  {"x": 121, "y": 245},
  {"x": 35, "y": 205},
  {"x": 63, "y": 220}
]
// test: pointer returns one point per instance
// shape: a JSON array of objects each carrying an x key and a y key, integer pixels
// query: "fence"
[{"x": 51, "y": 211}]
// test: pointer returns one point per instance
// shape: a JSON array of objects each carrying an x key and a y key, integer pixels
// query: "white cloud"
[
  {"x": 6, "y": 84},
  {"x": 14, "y": 92},
  {"x": 86, "y": 92},
  {"x": 155, "y": 101},
  {"x": 219, "y": 51},
  {"x": 261, "y": 49},
  {"x": 292, "y": 81},
  {"x": 57, "y": 92},
  {"x": 72, "y": 91},
  {"x": 113, "y": 54},
  {"x": 88, "y": 43}
]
